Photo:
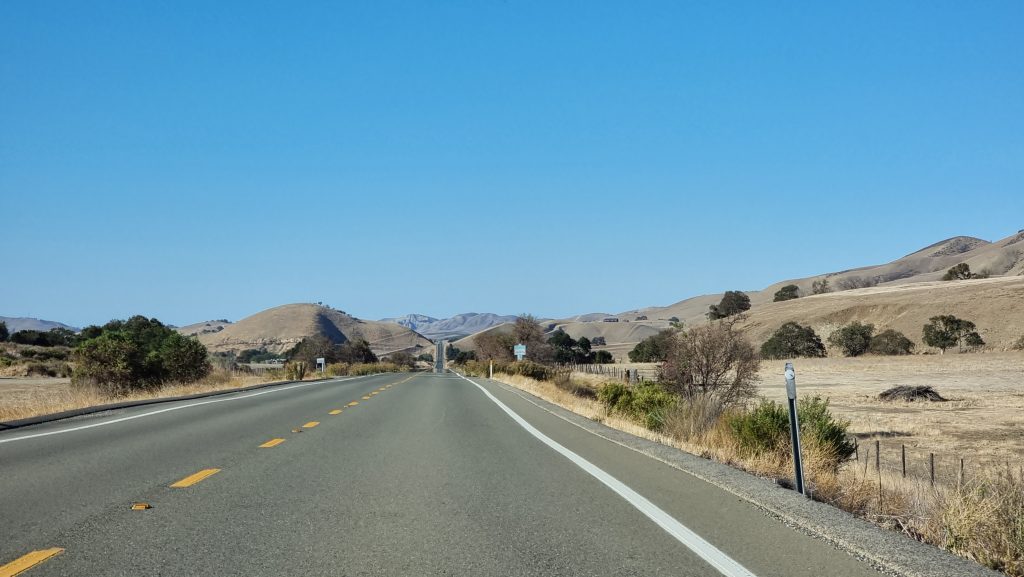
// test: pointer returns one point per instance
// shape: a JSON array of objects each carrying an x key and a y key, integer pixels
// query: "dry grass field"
[{"x": 982, "y": 421}]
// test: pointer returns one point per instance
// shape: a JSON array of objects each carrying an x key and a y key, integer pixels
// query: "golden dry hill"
[{"x": 281, "y": 328}]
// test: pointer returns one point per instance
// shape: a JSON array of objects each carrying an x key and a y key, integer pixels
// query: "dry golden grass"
[
  {"x": 981, "y": 422},
  {"x": 23, "y": 398}
]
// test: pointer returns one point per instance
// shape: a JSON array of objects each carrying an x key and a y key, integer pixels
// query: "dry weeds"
[{"x": 23, "y": 398}]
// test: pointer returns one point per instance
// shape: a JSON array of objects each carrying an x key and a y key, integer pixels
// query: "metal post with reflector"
[{"x": 794, "y": 428}]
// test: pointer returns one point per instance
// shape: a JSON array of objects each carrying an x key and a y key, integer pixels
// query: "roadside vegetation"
[{"x": 705, "y": 403}]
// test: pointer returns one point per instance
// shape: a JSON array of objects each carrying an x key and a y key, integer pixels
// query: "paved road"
[{"x": 426, "y": 475}]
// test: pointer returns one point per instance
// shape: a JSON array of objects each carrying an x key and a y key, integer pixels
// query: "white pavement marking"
[
  {"x": 175, "y": 408},
  {"x": 723, "y": 563}
]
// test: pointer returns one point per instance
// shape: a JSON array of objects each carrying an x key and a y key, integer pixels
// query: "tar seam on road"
[
  {"x": 723, "y": 563},
  {"x": 132, "y": 417}
]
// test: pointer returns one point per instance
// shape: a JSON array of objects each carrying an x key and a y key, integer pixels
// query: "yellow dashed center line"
[
  {"x": 353, "y": 403},
  {"x": 335, "y": 412},
  {"x": 366, "y": 398},
  {"x": 374, "y": 393},
  {"x": 271, "y": 443},
  {"x": 310, "y": 424},
  {"x": 194, "y": 478},
  {"x": 26, "y": 562}
]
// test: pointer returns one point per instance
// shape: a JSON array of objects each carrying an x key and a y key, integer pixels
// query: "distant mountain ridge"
[
  {"x": 452, "y": 328},
  {"x": 15, "y": 324}
]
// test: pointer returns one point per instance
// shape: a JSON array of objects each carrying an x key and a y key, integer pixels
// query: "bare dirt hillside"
[{"x": 281, "y": 328}]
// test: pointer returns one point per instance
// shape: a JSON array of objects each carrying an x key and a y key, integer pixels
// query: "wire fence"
[
  {"x": 629, "y": 375},
  {"x": 915, "y": 463}
]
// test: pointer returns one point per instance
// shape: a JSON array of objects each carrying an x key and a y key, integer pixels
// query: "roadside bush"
[
  {"x": 616, "y": 397},
  {"x": 296, "y": 370},
  {"x": 138, "y": 354},
  {"x": 650, "y": 404},
  {"x": 890, "y": 342},
  {"x": 338, "y": 369},
  {"x": 563, "y": 380},
  {"x": 762, "y": 430},
  {"x": 713, "y": 359},
  {"x": 792, "y": 340},
  {"x": 854, "y": 339},
  {"x": 765, "y": 429},
  {"x": 694, "y": 417},
  {"x": 647, "y": 403},
  {"x": 817, "y": 422},
  {"x": 362, "y": 369}
]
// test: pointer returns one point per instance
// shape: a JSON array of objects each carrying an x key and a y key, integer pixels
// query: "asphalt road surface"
[{"x": 412, "y": 475}]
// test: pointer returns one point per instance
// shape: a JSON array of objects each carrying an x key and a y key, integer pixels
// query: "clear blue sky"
[{"x": 202, "y": 160}]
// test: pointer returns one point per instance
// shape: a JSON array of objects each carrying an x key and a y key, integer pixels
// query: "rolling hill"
[
  {"x": 15, "y": 324},
  {"x": 280, "y": 328},
  {"x": 902, "y": 295}
]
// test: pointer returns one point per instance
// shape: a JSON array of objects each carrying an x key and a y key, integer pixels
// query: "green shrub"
[
  {"x": 653, "y": 349},
  {"x": 816, "y": 421},
  {"x": 764, "y": 429},
  {"x": 647, "y": 403},
  {"x": 615, "y": 397},
  {"x": 649, "y": 406},
  {"x": 792, "y": 340},
  {"x": 890, "y": 342}
]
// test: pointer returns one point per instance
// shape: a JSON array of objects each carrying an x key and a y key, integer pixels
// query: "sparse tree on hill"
[
  {"x": 854, "y": 339},
  {"x": 732, "y": 303},
  {"x": 947, "y": 331},
  {"x": 961, "y": 271},
  {"x": 890, "y": 342},
  {"x": 856, "y": 282},
  {"x": 820, "y": 287},
  {"x": 4, "y": 333},
  {"x": 792, "y": 340},
  {"x": 787, "y": 293},
  {"x": 603, "y": 358}
]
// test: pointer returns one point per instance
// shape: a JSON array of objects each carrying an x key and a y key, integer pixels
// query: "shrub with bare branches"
[{"x": 713, "y": 359}]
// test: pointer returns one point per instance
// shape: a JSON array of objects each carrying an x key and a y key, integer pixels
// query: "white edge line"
[
  {"x": 723, "y": 563},
  {"x": 175, "y": 408}
]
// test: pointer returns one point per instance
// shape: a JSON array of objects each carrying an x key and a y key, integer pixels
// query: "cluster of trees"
[
  {"x": 943, "y": 332},
  {"x": 311, "y": 348},
  {"x": 56, "y": 337},
  {"x": 569, "y": 350},
  {"x": 457, "y": 356},
  {"x": 138, "y": 353}
]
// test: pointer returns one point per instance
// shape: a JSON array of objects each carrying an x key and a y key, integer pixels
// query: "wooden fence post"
[
  {"x": 878, "y": 455},
  {"x": 903, "y": 457},
  {"x": 931, "y": 465}
]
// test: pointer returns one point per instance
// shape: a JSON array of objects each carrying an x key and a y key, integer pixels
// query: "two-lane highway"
[{"x": 385, "y": 475}]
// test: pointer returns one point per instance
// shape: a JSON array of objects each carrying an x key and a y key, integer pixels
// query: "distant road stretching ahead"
[{"x": 386, "y": 475}]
